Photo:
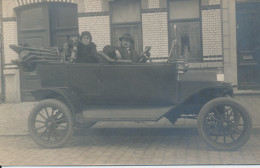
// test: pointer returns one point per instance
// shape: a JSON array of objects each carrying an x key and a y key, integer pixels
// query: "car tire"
[
  {"x": 50, "y": 123},
  {"x": 224, "y": 124}
]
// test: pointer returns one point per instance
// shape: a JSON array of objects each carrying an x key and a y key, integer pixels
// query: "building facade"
[
  {"x": 208, "y": 32},
  {"x": 1, "y": 58}
]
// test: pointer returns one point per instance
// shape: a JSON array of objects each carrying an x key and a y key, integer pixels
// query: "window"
[
  {"x": 185, "y": 27},
  {"x": 46, "y": 25},
  {"x": 126, "y": 18}
]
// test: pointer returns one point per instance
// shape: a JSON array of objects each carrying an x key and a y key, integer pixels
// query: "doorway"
[
  {"x": 248, "y": 45},
  {"x": 44, "y": 25}
]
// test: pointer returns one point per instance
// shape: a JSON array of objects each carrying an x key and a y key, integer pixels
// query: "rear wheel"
[
  {"x": 50, "y": 123},
  {"x": 224, "y": 124}
]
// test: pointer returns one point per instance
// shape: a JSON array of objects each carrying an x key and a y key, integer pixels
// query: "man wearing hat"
[
  {"x": 123, "y": 52},
  {"x": 126, "y": 52}
]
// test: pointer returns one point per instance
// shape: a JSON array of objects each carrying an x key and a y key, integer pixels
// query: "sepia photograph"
[{"x": 130, "y": 83}]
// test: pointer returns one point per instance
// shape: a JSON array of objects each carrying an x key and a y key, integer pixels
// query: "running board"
[{"x": 123, "y": 113}]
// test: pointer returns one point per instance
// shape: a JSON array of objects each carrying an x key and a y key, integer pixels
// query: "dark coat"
[
  {"x": 110, "y": 51},
  {"x": 133, "y": 55},
  {"x": 86, "y": 53}
]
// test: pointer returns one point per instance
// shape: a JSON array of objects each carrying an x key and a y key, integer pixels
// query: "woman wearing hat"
[{"x": 86, "y": 49}]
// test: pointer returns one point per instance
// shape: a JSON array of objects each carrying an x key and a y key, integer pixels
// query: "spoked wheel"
[
  {"x": 224, "y": 124},
  {"x": 50, "y": 123}
]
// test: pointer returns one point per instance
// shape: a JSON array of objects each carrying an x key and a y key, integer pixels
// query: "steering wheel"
[{"x": 143, "y": 57}]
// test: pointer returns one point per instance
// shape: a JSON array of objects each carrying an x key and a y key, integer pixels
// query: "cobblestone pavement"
[
  {"x": 123, "y": 143},
  {"x": 127, "y": 146},
  {"x": 13, "y": 117}
]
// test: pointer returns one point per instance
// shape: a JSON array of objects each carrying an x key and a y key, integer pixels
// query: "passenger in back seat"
[{"x": 86, "y": 49}]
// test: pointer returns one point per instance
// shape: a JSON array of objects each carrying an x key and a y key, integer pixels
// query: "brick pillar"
[
  {"x": 99, "y": 28},
  {"x": 229, "y": 40},
  {"x": 153, "y": 4},
  {"x": 212, "y": 35},
  {"x": 10, "y": 37},
  {"x": 1, "y": 57},
  {"x": 95, "y": 20},
  {"x": 155, "y": 33},
  {"x": 93, "y": 6},
  {"x": 11, "y": 72}
]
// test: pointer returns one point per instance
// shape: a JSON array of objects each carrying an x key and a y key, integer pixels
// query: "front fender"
[
  {"x": 66, "y": 95},
  {"x": 193, "y": 103},
  {"x": 200, "y": 97}
]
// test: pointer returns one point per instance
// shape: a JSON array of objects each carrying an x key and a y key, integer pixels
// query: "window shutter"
[{"x": 33, "y": 26}]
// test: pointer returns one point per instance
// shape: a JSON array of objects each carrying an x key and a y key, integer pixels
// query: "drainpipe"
[{"x": 2, "y": 96}]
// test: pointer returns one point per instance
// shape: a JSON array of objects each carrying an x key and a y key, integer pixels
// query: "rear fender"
[
  {"x": 67, "y": 96},
  {"x": 193, "y": 103}
]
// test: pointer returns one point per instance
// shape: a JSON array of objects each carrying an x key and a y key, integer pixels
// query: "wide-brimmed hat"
[{"x": 126, "y": 36}]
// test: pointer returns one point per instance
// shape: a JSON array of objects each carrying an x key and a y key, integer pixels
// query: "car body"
[
  {"x": 81, "y": 94},
  {"x": 129, "y": 86}
]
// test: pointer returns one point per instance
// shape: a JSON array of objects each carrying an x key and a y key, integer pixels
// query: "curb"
[
  {"x": 15, "y": 134},
  {"x": 246, "y": 92},
  {"x": 255, "y": 130}
]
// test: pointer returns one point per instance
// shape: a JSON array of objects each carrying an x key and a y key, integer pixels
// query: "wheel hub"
[
  {"x": 225, "y": 124},
  {"x": 51, "y": 124}
]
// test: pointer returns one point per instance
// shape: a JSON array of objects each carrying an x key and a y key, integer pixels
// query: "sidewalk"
[{"x": 13, "y": 117}]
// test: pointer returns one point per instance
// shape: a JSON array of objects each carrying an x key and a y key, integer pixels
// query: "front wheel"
[
  {"x": 224, "y": 124},
  {"x": 50, "y": 123}
]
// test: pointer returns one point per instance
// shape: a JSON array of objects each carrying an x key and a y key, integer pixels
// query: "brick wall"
[
  {"x": 153, "y": 3},
  {"x": 9, "y": 30},
  {"x": 211, "y": 34},
  {"x": 98, "y": 24},
  {"x": 10, "y": 37},
  {"x": 8, "y": 6},
  {"x": 215, "y": 2},
  {"x": 154, "y": 28},
  {"x": 1, "y": 72},
  {"x": 155, "y": 33},
  {"x": 99, "y": 28},
  {"x": 93, "y": 5}
]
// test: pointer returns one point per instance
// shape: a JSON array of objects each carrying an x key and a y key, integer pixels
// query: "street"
[
  {"x": 159, "y": 83},
  {"x": 123, "y": 143},
  {"x": 127, "y": 146}
]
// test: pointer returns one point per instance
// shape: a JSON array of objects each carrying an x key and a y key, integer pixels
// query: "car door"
[
  {"x": 85, "y": 80},
  {"x": 139, "y": 84}
]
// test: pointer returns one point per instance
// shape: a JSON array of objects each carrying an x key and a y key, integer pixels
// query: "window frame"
[
  {"x": 48, "y": 21},
  {"x": 125, "y": 24},
  {"x": 19, "y": 10},
  {"x": 199, "y": 20}
]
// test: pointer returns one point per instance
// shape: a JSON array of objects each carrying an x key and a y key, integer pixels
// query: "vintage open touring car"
[{"x": 81, "y": 94}]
